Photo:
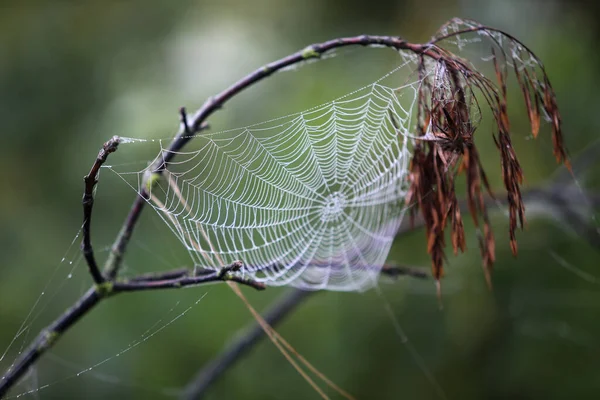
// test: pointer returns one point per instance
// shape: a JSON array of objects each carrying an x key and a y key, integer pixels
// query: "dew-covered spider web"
[{"x": 312, "y": 199}]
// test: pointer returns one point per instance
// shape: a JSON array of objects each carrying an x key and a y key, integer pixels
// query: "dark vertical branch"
[
  {"x": 91, "y": 179},
  {"x": 117, "y": 251}
]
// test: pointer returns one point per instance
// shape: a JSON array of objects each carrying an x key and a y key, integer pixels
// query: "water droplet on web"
[{"x": 69, "y": 276}]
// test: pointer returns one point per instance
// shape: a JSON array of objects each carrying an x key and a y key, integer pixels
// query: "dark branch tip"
[
  {"x": 258, "y": 285},
  {"x": 111, "y": 145},
  {"x": 225, "y": 272},
  {"x": 237, "y": 265},
  {"x": 184, "y": 120}
]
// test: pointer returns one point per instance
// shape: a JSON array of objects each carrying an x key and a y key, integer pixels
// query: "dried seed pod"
[{"x": 448, "y": 115}]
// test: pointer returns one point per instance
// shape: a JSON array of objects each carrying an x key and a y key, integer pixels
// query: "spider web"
[{"x": 312, "y": 199}]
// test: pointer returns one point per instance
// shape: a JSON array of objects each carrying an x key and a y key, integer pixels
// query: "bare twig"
[
  {"x": 91, "y": 179},
  {"x": 394, "y": 271},
  {"x": 160, "y": 276},
  {"x": 177, "y": 282},
  {"x": 50, "y": 334}
]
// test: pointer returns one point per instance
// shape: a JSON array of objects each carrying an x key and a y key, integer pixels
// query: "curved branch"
[{"x": 91, "y": 179}]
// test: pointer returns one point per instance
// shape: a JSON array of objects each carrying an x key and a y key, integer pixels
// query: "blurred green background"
[{"x": 72, "y": 74}]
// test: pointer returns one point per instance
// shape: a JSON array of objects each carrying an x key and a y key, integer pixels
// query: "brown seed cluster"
[{"x": 448, "y": 115}]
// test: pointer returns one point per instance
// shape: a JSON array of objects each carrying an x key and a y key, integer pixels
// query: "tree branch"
[
  {"x": 181, "y": 281},
  {"x": 47, "y": 337},
  {"x": 159, "y": 276},
  {"x": 90, "y": 180}
]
